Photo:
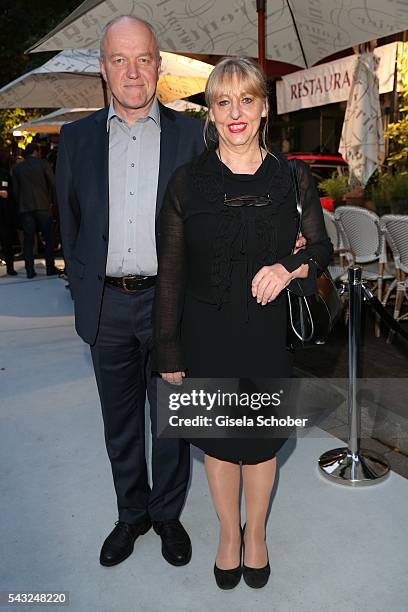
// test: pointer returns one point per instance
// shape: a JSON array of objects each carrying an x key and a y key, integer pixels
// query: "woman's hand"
[
  {"x": 174, "y": 378},
  {"x": 300, "y": 243},
  {"x": 269, "y": 281}
]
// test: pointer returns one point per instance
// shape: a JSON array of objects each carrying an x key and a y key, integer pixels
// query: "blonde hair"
[{"x": 252, "y": 80}]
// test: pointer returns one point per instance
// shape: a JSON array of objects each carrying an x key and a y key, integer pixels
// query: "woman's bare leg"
[
  {"x": 224, "y": 482},
  {"x": 258, "y": 481}
]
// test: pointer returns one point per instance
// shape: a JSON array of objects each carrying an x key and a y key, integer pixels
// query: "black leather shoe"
[
  {"x": 120, "y": 542},
  {"x": 11, "y": 271},
  {"x": 176, "y": 544},
  {"x": 255, "y": 577},
  {"x": 229, "y": 578},
  {"x": 31, "y": 274},
  {"x": 54, "y": 271}
]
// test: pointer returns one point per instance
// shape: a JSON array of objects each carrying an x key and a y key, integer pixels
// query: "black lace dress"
[{"x": 205, "y": 318}]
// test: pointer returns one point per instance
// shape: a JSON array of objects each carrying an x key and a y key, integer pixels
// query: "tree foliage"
[
  {"x": 22, "y": 24},
  {"x": 398, "y": 131},
  {"x": 12, "y": 117}
]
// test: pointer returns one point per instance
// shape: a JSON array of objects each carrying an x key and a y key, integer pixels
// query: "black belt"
[{"x": 131, "y": 282}]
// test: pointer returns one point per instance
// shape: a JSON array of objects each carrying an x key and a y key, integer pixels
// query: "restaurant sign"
[{"x": 331, "y": 82}]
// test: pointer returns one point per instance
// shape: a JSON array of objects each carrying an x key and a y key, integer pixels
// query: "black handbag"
[{"x": 311, "y": 318}]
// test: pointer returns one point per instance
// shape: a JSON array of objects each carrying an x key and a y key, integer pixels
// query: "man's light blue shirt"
[{"x": 134, "y": 156}]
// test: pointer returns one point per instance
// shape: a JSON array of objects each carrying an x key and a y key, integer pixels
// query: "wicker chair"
[
  {"x": 395, "y": 228},
  {"x": 341, "y": 256},
  {"x": 362, "y": 234}
]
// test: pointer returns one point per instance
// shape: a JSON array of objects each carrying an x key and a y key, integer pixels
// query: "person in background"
[
  {"x": 34, "y": 192},
  {"x": 6, "y": 217}
]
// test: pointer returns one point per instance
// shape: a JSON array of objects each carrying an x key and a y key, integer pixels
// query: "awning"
[{"x": 330, "y": 82}]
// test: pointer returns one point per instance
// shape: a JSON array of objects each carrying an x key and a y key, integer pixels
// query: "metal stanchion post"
[{"x": 352, "y": 465}]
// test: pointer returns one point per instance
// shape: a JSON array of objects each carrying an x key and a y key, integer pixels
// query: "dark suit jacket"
[
  {"x": 6, "y": 206},
  {"x": 83, "y": 200},
  {"x": 33, "y": 185}
]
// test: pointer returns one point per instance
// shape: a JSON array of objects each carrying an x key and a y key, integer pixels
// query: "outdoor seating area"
[
  {"x": 204, "y": 305},
  {"x": 379, "y": 245},
  {"x": 395, "y": 229}
]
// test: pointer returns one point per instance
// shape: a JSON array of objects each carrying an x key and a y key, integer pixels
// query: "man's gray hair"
[{"x": 120, "y": 18}]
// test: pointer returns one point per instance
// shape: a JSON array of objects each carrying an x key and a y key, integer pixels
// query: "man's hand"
[
  {"x": 3, "y": 193},
  {"x": 174, "y": 378}
]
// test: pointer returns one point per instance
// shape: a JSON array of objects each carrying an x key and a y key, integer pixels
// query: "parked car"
[{"x": 323, "y": 167}]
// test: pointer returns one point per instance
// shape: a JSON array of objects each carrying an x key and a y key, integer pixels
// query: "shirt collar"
[{"x": 154, "y": 114}]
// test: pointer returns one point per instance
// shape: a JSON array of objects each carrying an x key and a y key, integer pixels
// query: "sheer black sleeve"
[
  {"x": 319, "y": 248},
  {"x": 170, "y": 287}
]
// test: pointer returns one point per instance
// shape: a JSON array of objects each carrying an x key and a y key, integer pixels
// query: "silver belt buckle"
[{"x": 124, "y": 279}]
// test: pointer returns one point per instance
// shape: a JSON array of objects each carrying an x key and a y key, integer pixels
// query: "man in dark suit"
[
  {"x": 112, "y": 171},
  {"x": 6, "y": 217},
  {"x": 34, "y": 192}
]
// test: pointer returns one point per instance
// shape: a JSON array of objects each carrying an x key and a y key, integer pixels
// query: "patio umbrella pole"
[
  {"x": 352, "y": 465},
  {"x": 260, "y": 9},
  {"x": 105, "y": 92}
]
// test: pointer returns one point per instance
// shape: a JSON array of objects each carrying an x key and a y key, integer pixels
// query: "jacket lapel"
[
  {"x": 169, "y": 137},
  {"x": 100, "y": 159}
]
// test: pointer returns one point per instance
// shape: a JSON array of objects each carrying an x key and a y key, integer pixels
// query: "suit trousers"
[
  {"x": 6, "y": 244},
  {"x": 121, "y": 359},
  {"x": 37, "y": 220}
]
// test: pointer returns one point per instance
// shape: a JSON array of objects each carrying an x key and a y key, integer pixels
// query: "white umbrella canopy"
[
  {"x": 362, "y": 138},
  {"x": 299, "y": 32},
  {"x": 69, "y": 79},
  {"x": 181, "y": 77},
  {"x": 184, "y": 105},
  {"x": 53, "y": 122},
  {"x": 72, "y": 79}
]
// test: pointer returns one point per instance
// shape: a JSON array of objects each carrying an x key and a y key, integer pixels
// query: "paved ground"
[
  {"x": 384, "y": 387},
  {"x": 378, "y": 358},
  {"x": 330, "y": 547}
]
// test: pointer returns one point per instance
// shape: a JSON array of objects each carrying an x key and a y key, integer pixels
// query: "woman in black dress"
[{"x": 227, "y": 231}]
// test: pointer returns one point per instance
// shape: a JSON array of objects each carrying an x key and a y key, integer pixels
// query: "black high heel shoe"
[
  {"x": 254, "y": 577},
  {"x": 229, "y": 578}
]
